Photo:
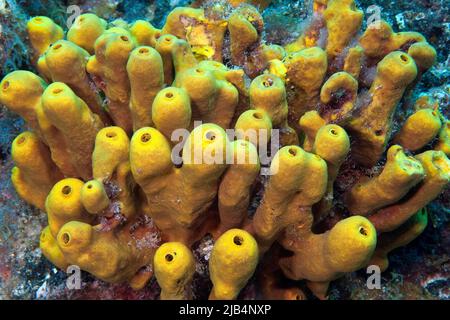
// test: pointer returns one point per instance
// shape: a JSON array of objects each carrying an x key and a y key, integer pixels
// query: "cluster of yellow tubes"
[{"x": 99, "y": 166}]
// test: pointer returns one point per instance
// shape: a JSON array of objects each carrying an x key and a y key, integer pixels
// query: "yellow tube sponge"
[
  {"x": 34, "y": 173},
  {"x": 419, "y": 129},
  {"x": 400, "y": 237},
  {"x": 343, "y": 21},
  {"x": 174, "y": 266},
  {"x": 204, "y": 162},
  {"x": 178, "y": 17},
  {"x": 353, "y": 61},
  {"x": 273, "y": 52},
  {"x": 109, "y": 63},
  {"x": 182, "y": 55},
  {"x": 204, "y": 31},
  {"x": 75, "y": 121},
  {"x": 278, "y": 68},
  {"x": 310, "y": 123},
  {"x": 145, "y": 33},
  {"x": 233, "y": 261},
  {"x": 57, "y": 144},
  {"x": 145, "y": 71},
  {"x": 254, "y": 126},
  {"x": 399, "y": 175},
  {"x": 127, "y": 196},
  {"x": 42, "y": 68},
  {"x": 171, "y": 110},
  {"x": 140, "y": 136},
  {"x": 85, "y": 30},
  {"x": 236, "y": 185},
  {"x": 111, "y": 256},
  {"x": 379, "y": 40},
  {"x": 63, "y": 204},
  {"x": 268, "y": 93},
  {"x": 437, "y": 176},
  {"x": 43, "y": 32},
  {"x": 164, "y": 45},
  {"x": 20, "y": 92},
  {"x": 147, "y": 141},
  {"x": 112, "y": 147},
  {"x": 245, "y": 26},
  {"x": 66, "y": 63},
  {"x": 338, "y": 96},
  {"x": 207, "y": 38},
  {"x": 94, "y": 197},
  {"x": 213, "y": 98},
  {"x": 51, "y": 250},
  {"x": 371, "y": 129},
  {"x": 180, "y": 216},
  {"x": 305, "y": 74},
  {"x": 321, "y": 258},
  {"x": 112, "y": 170},
  {"x": 333, "y": 145},
  {"x": 424, "y": 55},
  {"x": 298, "y": 180}
]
